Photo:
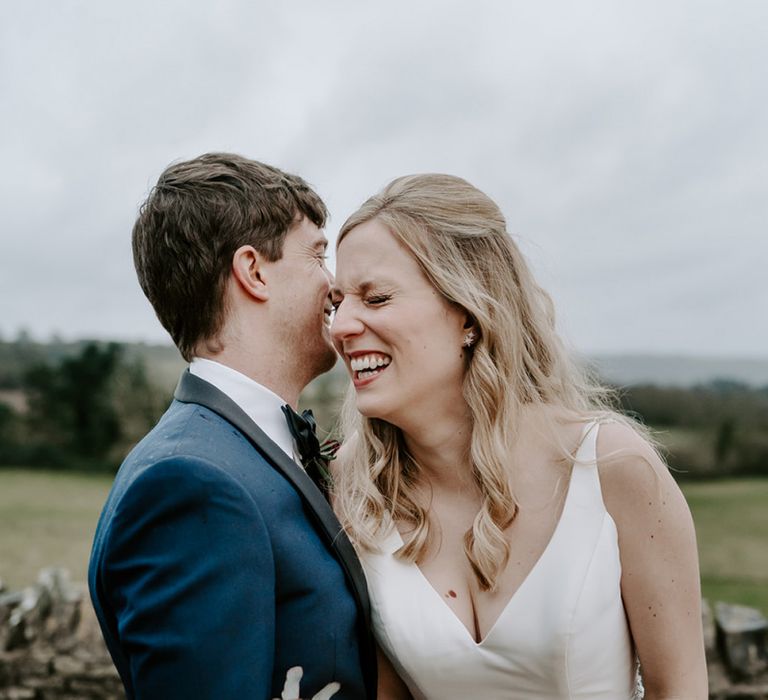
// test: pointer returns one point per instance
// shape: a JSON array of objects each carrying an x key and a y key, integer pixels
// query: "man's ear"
[{"x": 248, "y": 268}]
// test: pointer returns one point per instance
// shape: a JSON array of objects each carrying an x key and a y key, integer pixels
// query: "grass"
[
  {"x": 48, "y": 518},
  {"x": 731, "y": 519}
]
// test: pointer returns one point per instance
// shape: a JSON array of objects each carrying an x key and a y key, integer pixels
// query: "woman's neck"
[{"x": 441, "y": 447}]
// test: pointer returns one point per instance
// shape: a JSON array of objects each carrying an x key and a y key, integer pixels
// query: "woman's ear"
[
  {"x": 248, "y": 268},
  {"x": 471, "y": 334}
]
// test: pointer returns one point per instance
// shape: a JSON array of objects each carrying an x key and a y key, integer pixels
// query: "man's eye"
[{"x": 376, "y": 300}]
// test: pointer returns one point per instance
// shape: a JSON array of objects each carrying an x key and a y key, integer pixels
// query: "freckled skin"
[{"x": 660, "y": 586}]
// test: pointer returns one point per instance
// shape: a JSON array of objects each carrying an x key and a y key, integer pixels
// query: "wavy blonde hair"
[{"x": 459, "y": 238}]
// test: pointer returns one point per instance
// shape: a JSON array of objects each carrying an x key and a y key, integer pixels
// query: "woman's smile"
[{"x": 366, "y": 365}]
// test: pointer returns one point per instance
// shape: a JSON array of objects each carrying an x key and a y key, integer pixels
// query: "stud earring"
[{"x": 469, "y": 339}]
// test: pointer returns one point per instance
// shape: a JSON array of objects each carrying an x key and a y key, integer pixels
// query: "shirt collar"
[{"x": 260, "y": 404}]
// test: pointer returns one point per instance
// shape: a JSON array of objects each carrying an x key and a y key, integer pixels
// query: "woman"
[{"x": 520, "y": 539}]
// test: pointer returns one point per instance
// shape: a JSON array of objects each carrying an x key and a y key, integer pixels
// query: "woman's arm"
[
  {"x": 660, "y": 570},
  {"x": 391, "y": 686}
]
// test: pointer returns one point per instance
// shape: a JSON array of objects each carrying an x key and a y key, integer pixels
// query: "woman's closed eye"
[{"x": 368, "y": 300}]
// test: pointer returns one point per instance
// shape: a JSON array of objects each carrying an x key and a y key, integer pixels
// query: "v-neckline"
[{"x": 554, "y": 536}]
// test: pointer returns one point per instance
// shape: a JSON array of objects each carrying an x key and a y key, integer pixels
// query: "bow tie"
[{"x": 304, "y": 430}]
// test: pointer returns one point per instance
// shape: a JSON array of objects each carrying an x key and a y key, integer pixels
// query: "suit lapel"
[{"x": 192, "y": 389}]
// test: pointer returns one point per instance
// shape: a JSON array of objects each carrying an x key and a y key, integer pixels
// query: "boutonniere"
[{"x": 326, "y": 453}]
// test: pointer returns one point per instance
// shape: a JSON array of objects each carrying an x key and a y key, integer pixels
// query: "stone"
[
  {"x": 86, "y": 688},
  {"x": 15, "y": 636},
  {"x": 708, "y": 624},
  {"x": 8, "y": 674},
  {"x": 68, "y": 666},
  {"x": 742, "y": 637},
  {"x": 57, "y": 582},
  {"x": 741, "y": 692},
  {"x": 27, "y": 616},
  {"x": 105, "y": 673},
  {"x": 37, "y": 664},
  {"x": 18, "y": 694}
]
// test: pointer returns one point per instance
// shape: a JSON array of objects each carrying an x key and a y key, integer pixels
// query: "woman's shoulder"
[
  {"x": 638, "y": 489},
  {"x": 625, "y": 456}
]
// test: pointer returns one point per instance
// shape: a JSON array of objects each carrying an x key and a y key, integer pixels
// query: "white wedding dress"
[{"x": 563, "y": 634}]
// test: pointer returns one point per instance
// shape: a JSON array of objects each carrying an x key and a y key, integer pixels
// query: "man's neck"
[{"x": 277, "y": 379}]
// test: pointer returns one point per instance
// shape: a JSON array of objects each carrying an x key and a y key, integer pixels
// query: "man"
[{"x": 217, "y": 565}]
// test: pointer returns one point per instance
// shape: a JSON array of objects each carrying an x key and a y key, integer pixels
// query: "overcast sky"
[{"x": 626, "y": 143}]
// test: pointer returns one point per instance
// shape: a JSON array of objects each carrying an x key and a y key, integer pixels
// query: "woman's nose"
[{"x": 346, "y": 323}]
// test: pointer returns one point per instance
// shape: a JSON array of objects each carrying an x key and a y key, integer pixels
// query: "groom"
[{"x": 217, "y": 565}]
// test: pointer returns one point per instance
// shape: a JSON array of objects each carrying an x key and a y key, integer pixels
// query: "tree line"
[
  {"x": 715, "y": 429},
  {"x": 83, "y": 406},
  {"x": 82, "y": 411}
]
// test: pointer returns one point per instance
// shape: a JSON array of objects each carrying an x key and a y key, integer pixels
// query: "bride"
[{"x": 520, "y": 538}]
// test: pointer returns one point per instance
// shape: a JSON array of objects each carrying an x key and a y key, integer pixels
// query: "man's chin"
[
  {"x": 324, "y": 359},
  {"x": 330, "y": 358}
]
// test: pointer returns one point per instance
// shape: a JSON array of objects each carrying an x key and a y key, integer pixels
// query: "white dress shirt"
[{"x": 260, "y": 404}]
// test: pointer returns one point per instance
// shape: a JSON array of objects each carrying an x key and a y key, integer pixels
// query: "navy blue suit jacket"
[{"x": 217, "y": 565}]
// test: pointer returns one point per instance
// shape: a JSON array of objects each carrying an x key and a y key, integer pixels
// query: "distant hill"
[{"x": 678, "y": 370}]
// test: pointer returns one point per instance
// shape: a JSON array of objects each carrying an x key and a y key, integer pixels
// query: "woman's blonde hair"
[{"x": 459, "y": 238}]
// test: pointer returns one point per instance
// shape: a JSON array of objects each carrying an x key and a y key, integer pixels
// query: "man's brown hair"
[{"x": 199, "y": 213}]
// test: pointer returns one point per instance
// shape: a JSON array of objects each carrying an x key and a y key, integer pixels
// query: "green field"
[
  {"x": 47, "y": 518},
  {"x": 731, "y": 519}
]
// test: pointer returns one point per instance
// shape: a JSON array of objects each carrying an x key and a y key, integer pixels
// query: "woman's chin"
[
  {"x": 367, "y": 411},
  {"x": 371, "y": 409}
]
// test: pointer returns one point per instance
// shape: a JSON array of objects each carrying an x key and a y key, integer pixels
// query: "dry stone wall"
[
  {"x": 51, "y": 647},
  {"x": 50, "y": 644}
]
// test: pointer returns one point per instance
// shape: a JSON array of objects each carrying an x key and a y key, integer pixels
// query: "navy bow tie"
[{"x": 304, "y": 430}]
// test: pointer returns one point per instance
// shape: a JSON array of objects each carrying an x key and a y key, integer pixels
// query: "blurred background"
[{"x": 625, "y": 142}]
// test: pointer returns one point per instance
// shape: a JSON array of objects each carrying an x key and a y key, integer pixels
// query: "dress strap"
[
  {"x": 586, "y": 453},
  {"x": 585, "y": 480}
]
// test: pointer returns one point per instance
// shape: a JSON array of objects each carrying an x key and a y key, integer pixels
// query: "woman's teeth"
[{"x": 368, "y": 365}]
